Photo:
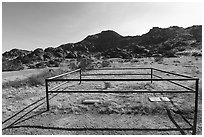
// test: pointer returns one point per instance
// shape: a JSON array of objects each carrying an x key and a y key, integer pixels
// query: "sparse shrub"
[
  {"x": 121, "y": 61},
  {"x": 197, "y": 54},
  {"x": 41, "y": 65},
  {"x": 73, "y": 65},
  {"x": 176, "y": 61},
  {"x": 170, "y": 54},
  {"x": 158, "y": 59},
  {"x": 183, "y": 53},
  {"x": 13, "y": 65},
  {"x": 190, "y": 52},
  {"x": 127, "y": 60},
  {"x": 53, "y": 63},
  {"x": 110, "y": 107},
  {"x": 97, "y": 55},
  {"x": 107, "y": 85},
  {"x": 33, "y": 80},
  {"x": 105, "y": 63},
  {"x": 134, "y": 60},
  {"x": 86, "y": 63},
  {"x": 31, "y": 66},
  {"x": 108, "y": 110}
]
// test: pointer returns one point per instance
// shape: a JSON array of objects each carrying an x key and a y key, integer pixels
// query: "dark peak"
[
  {"x": 103, "y": 35},
  {"x": 171, "y": 29},
  {"x": 175, "y": 27},
  {"x": 195, "y": 31},
  {"x": 110, "y": 32},
  {"x": 194, "y": 27},
  {"x": 16, "y": 51},
  {"x": 154, "y": 30},
  {"x": 91, "y": 37},
  {"x": 38, "y": 50}
]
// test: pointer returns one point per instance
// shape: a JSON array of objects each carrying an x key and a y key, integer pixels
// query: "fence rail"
[
  {"x": 152, "y": 79},
  {"x": 114, "y": 74},
  {"x": 176, "y": 74},
  {"x": 64, "y": 74},
  {"x": 176, "y": 83},
  {"x": 123, "y": 91},
  {"x": 132, "y": 68},
  {"x": 97, "y": 79}
]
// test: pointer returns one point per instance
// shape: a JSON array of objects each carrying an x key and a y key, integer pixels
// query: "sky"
[{"x": 40, "y": 25}]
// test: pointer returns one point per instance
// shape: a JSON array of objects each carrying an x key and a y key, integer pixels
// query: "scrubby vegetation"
[
  {"x": 86, "y": 63},
  {"x": 158, "y": 59},
  {"x": 11, "y": 65},
  {"x": 39, "y": 79},
  {"x": 105, "y": 63},
  {"x": 34, "y": 80}
]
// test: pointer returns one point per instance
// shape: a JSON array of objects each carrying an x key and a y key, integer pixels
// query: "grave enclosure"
[{"x": 150, "y": 73}]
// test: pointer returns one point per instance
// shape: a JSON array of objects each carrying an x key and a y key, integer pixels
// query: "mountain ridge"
[{"x": 164, "y": 41}]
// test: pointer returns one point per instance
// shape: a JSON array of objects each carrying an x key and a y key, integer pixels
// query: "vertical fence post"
[
  {"x": 47, "y": 95},
  {"x": 196, "y": 107},
  {"x": 80, "y": 75},
  {"x": 151, "y": 74}
]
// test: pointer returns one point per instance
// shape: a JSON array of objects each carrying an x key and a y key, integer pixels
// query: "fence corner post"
[
  {"x": 80, "y": 75},
  {"x": 151, "y": 74},
  {"x": 47, "y": 95},
  {"x": 196, "y": 108}
]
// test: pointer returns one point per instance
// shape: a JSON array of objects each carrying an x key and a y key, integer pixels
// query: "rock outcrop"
[{"x": 164, "y": 41}]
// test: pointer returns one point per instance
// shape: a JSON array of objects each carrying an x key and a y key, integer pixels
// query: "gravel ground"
[{"x": 113, "y": 111}]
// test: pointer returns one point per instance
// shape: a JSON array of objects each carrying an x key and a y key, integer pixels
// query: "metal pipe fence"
[{"x": 151, "y": 79}]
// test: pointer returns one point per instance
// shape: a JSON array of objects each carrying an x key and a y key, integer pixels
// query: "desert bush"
[
  {"x": 86, "y": 63},
  {"x": 134, "y": 60},
  {"x": 176, "y": 61},
  {"x": 33, "y": 80},
  {"x": 73, "y": 65},
  {"x": 197, "y": 54},
  {"x": 52, "y": 63},
  {"x": 127, "y": 60},
  {"x": 98, "y": 55},
  {"x": 183, "y": 53},
  {"x": 120, "y": 60},
  {"x": 107, "y": 85},
  {"x": 158, "y": 59},
  {"x": 190, "y": 52},
  {"x": 110, "y": 107},
  {"x": 170, "y": 54},
  {"x": 105, "y": 63},
  {"x": 13, "y": 65},
  {"x": 41, "y": 65}
]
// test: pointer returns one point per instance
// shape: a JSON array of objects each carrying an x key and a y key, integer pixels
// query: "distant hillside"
[{"x": 163, "y": 41}]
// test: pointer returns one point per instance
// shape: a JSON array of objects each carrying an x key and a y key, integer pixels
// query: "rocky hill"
[{"x": 158, "y": 41}]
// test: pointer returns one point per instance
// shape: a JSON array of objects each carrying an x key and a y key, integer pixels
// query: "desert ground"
[{"x": 24, "y": 108}]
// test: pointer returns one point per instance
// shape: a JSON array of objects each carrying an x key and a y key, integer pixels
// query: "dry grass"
[{"x": 33, "y": 80}]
